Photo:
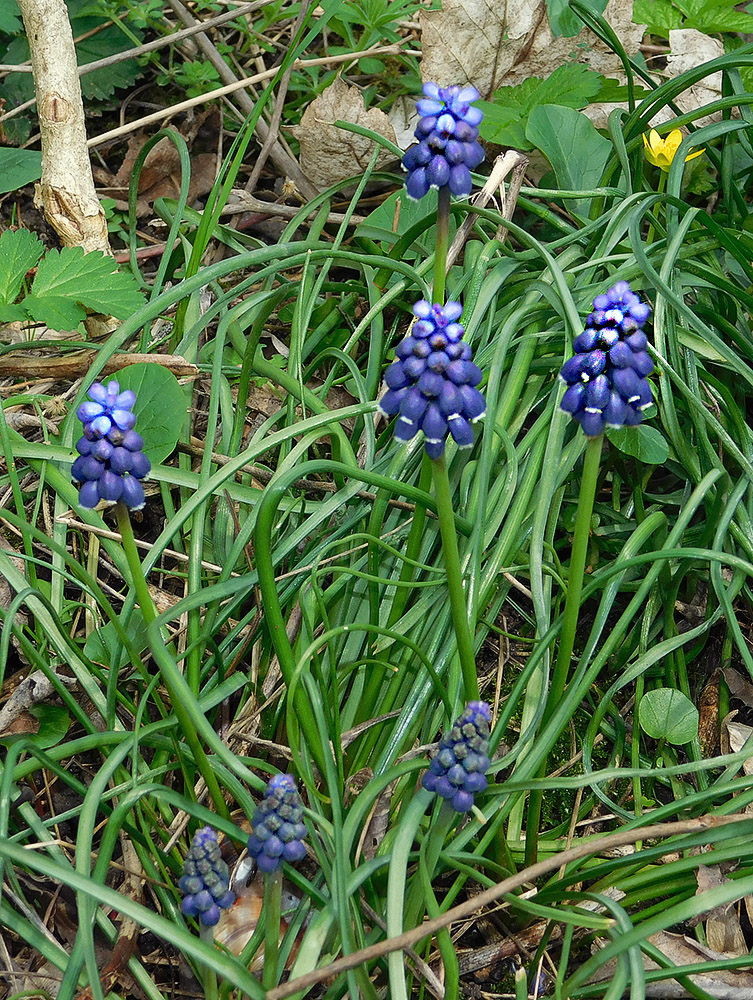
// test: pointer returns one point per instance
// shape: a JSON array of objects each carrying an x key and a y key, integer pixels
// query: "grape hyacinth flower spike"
[
  {"x": 206, "y": 880},
  {"x": 457, "y": 772},
  {"x": 448, "y": 147},
  {"x": 111, "y": 460},
  {"x": 431, "y": 386},
  {"x": 278, "y": 830},
  {"x": 606, "y": 378}
]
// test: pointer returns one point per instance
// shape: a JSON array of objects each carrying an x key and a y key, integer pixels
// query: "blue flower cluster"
[
  {"x": 457, "y": 773},
  {"x": 206, "y": 880},
  {"x": 448, "y": 147},
  {"x": 111, "y": 460},
  {"x": 606, "y": 377},
  {"x": 431, "y": 386},
  {"x": 278, "y": 830}
]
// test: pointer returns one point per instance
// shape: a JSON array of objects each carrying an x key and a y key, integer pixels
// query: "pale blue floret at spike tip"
[
  {"x": 431, "y": 386},
  {"x": 111, "y": 460},
  {"x": 458, "y": 771},
  {"x": 278, "y": 830},
  {"x": 448, "y": 147},
  {"x": 205, "y": 882},
  {"x": 606, "y": 378}
]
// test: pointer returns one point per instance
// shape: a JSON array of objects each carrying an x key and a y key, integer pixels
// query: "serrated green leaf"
[
  {"x": 18, "y": 167},
  {"x": 576, "y": 151},
  {"x": 612, "y": 92},
  {"x": 643, "y": 442},
  {"x": 91, "y": 279},
  {"x": 55, "y": 311},
  {"x": 19, "y": 252},
  {"x": 160, "y": 407},
  {"x": 667, "y": 714},
  {"x": 98, "y": 38},
  {"x": 660, "y": 16},
  {"x": 505, "y": 116}
]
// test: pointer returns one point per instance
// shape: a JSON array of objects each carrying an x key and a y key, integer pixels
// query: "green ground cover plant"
[{"x": 338, "y": 676}]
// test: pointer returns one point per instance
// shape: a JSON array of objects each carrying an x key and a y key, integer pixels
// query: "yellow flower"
[{"x": 661, "y": 152}]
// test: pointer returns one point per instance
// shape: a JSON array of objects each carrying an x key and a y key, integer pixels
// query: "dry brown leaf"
[
  {"x": 738, "y": 736},
  {"x": 723, "y": 931},
  {"x": 330, "y": 154},
  {"x": 691, "y": 48},
  {"x": 494, "y": 43},
  {"x": 722, "y": 984},
  {"x": 739, "y": 686},
  {"x": 161, "y": 174},
  {"x": 36, "y": 688}
]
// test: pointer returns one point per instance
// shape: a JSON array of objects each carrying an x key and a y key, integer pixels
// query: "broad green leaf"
[
  {"x": 643, "y": 442},
  {"x": 55, "y": 311},
  {"x": 10, "y": 20},
  {"x": 576, "y": 151},
  {"x": 91, "y": 279},
  {"x": 13, "y": 314},
  {"x": 18, "y": 167},
  {"x": 101, "y": 645},
  {"x": 54, "y": 721},
  {"x": 564, "y": 22},
  {"x": 19, "y": 252},
  {"x": 667, "y": 714},
  {"x": 505, "y": 116},
  {"x": 388, "y": 223},
  {"x": 160, "y": 407}
]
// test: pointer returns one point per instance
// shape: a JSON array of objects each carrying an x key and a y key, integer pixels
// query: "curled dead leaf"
[{"x": 330, "y": 154}]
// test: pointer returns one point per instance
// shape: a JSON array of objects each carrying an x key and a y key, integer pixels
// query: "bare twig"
[
  {"x": 583, "y": 850},
  {"x": 238, "y": 85},
  {"x": 511, "y": 161},
  {"x": 274, "y": 125},
  {"x": 66, "y": 191},
  {"x": 77, "y": 364}
]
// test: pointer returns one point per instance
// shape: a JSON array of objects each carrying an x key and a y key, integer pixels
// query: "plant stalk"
[
  {"x": 579, "y": 552},
  {"x": 443, "y": 243},
  {"x": 458, "y": 603},
  {"x": 146, "y": 604},
  {"x": 272, "y": 914}
]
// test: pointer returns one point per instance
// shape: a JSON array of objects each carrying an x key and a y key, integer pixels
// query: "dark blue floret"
[
  {"x": 606, "y": 378},
  {"x": 278, "y": 830},
  {"x": 457, "y": 772},
  {"x": 205, "y": 883},
  {"x": 432, "y": 384},
  {"x": 448, "y": 147},
  {"x": 111, "y": 461}
]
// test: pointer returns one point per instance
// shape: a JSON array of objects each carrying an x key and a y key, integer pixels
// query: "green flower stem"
[
  {"x": 578, "y": 555},
  {"x": 209, "y": 976},
  {"x": 458, "y": 603},
  {"x": 146, "y": 604},
  {"x": 272, "y": 914},
  {"x": 443, "y": 244},
  {"x": 660, "y": 188},
  {"x": 431, "y": 848}
]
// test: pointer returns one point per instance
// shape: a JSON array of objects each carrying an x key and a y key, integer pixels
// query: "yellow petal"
[
  {"x": 698, "y": 152},
  {"x": 672, "y": 142}
]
